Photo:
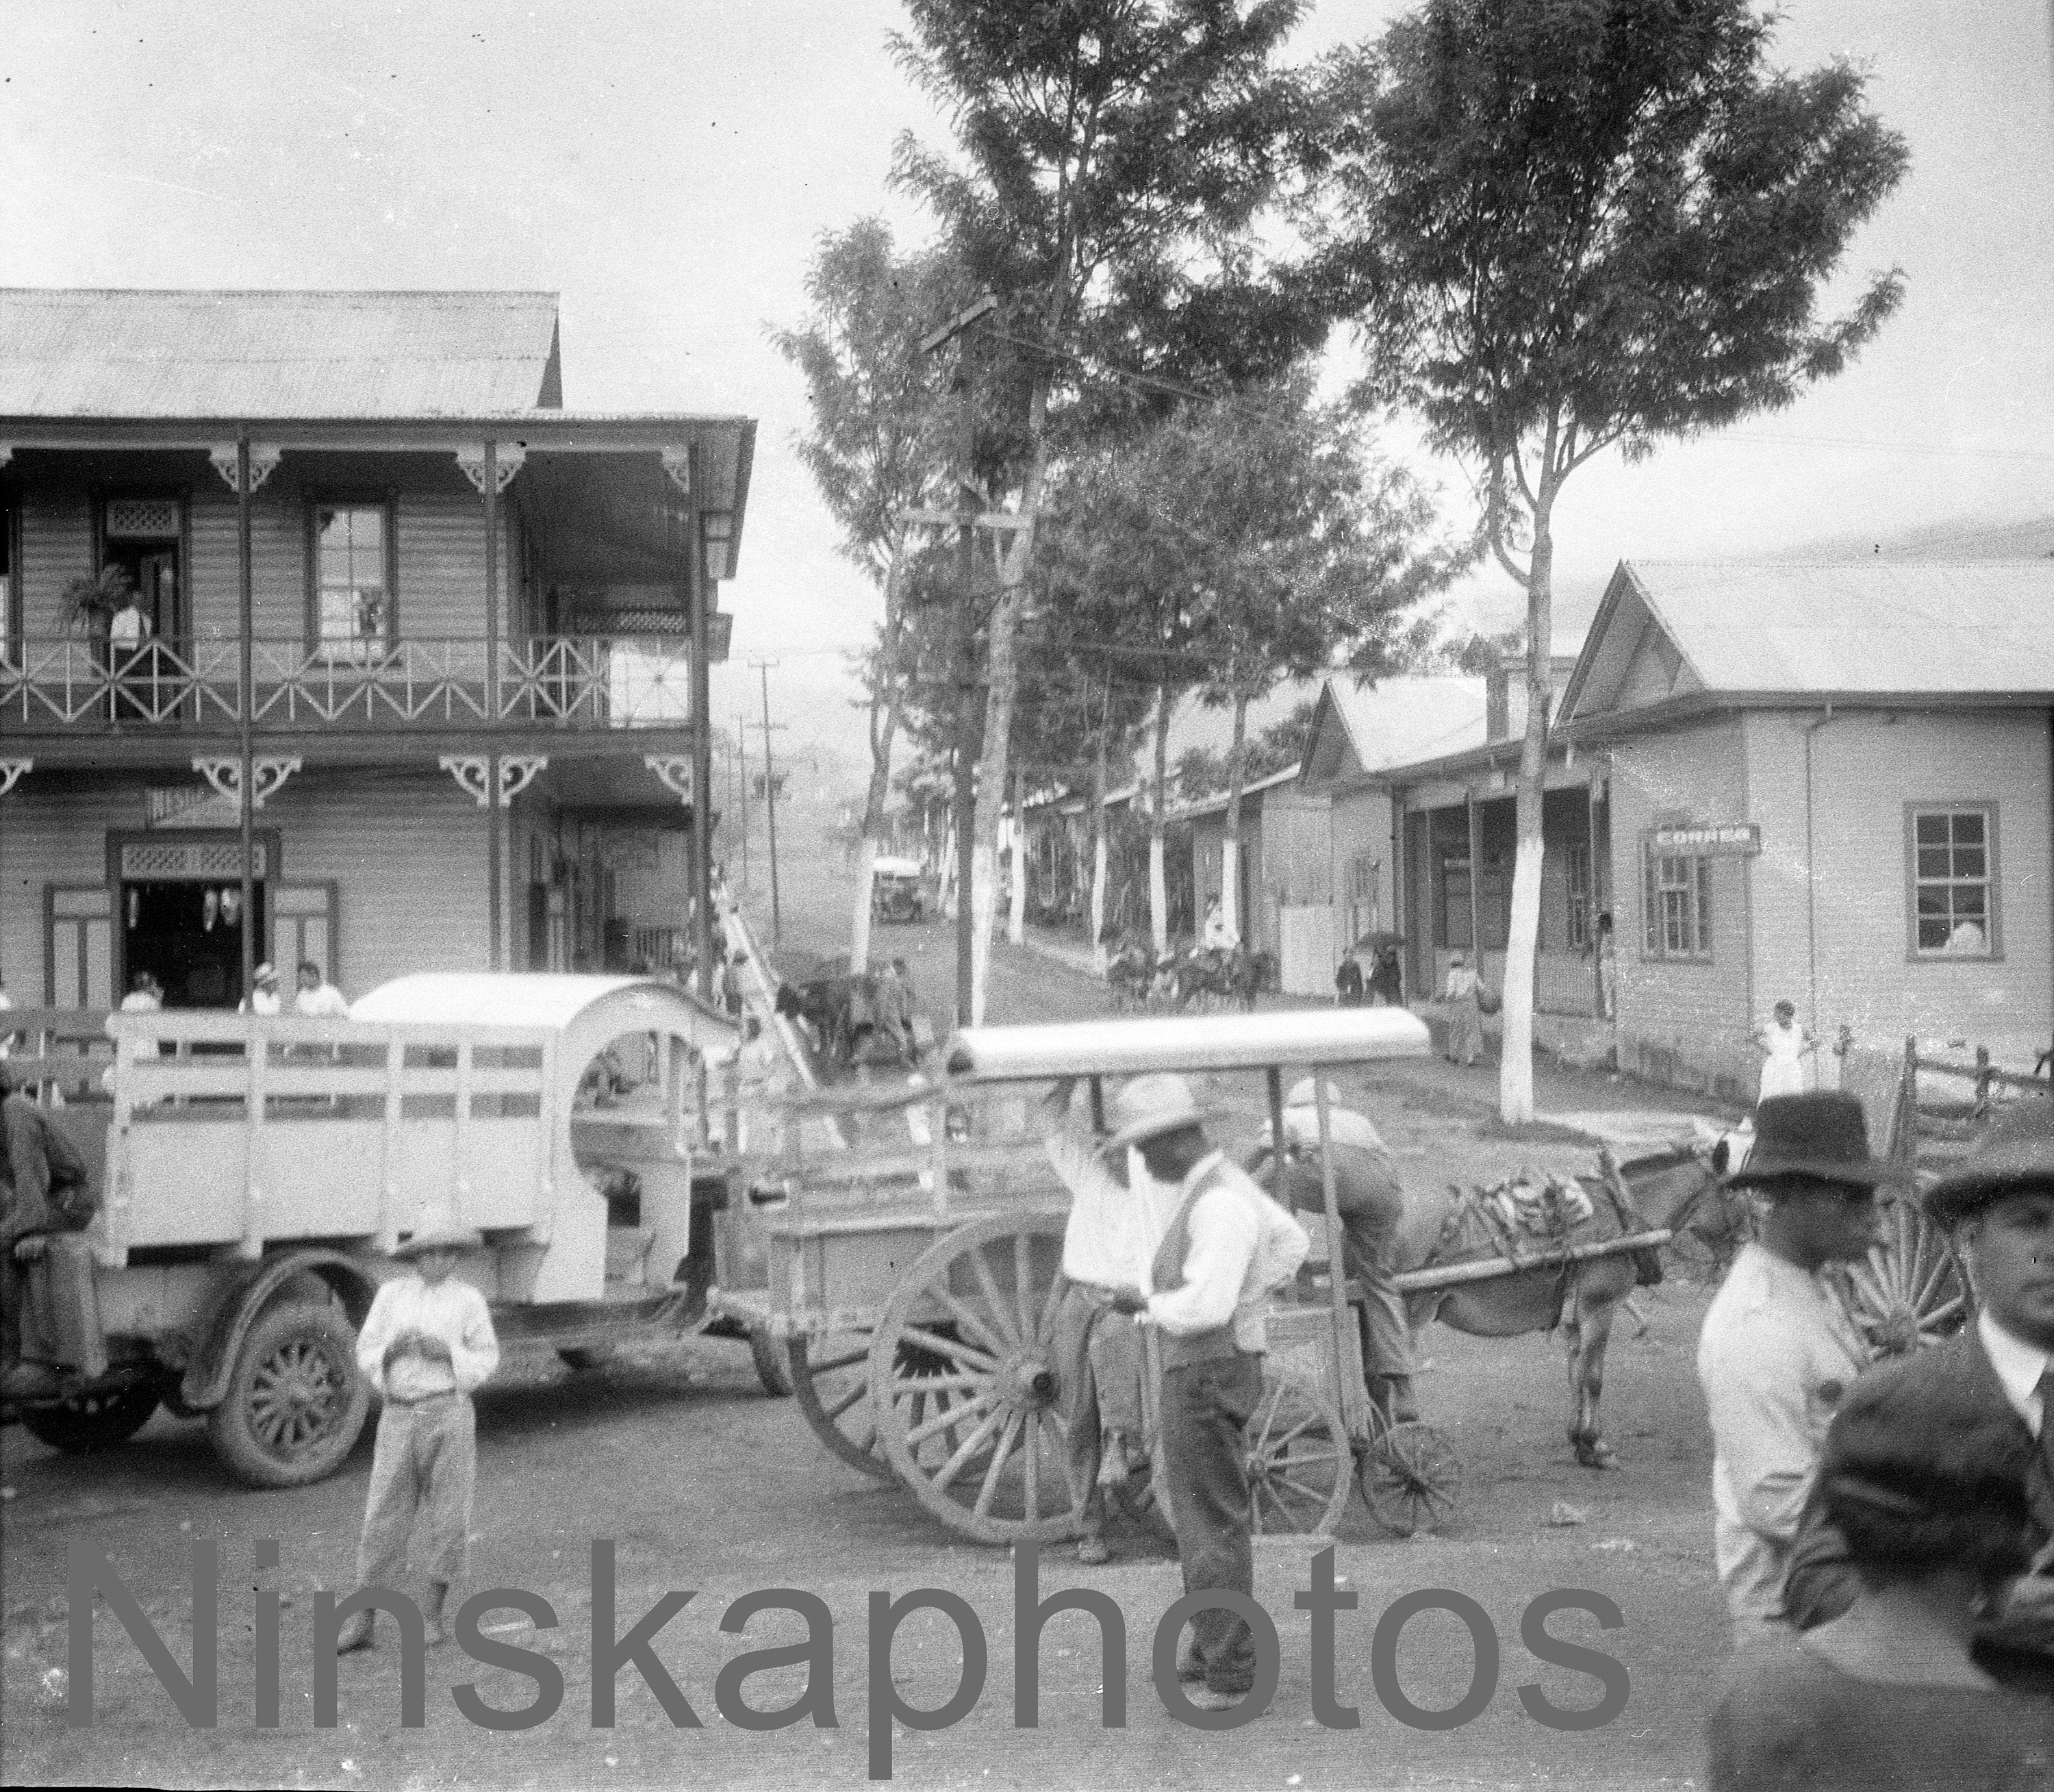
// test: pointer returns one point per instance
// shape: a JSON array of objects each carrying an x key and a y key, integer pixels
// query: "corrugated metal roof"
[
  {"x": 1399, "y": 720},
  {"x": 85, "y": 353},
  {"x": 1876, "y": 626}
]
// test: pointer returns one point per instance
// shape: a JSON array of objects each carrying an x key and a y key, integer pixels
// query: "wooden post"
[
  {"x": 695, "y": 591},
  {"x": 245, "y": 716},
  {"x": 493, "y": 822},
  {"x": 388, "y": 1144},
  {"x": 1982, "y": 1080},
  {"x": 1349, "y": 1392},
  {"x": 256, "y": 1058},
  {"x": 1476, "y": 879},
  {"x": 1275, "y": 1078}
]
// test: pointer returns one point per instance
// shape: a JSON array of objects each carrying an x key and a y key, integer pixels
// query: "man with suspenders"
[{"x": 1227, "y": 1247}]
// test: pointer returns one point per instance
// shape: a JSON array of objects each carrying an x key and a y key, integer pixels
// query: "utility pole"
[
  {"x": 742, "y": 788},
  {"x": 770, "y": 799},
  {"x": 970, "y": 503}
]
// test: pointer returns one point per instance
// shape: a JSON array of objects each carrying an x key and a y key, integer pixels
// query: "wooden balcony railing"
[{"x": 60, "y": 684}]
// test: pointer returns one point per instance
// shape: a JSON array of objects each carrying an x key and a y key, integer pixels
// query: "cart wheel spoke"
[
  {"x": 833, "y": 1393},
  {"x": 846, "y": 1359},
  {"x": 951, "y": 1419},
  {"x": 939, "y": 1344},
  {"x": 1023, "y": 1286},
  {"x": 991, "y": 1347},
  {"x": 999, "y": 1458},
  {"x": 969, "y": 1447},
  {"x": 997, "y": 1309}
]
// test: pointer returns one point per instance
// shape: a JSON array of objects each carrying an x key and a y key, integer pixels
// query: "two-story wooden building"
[{"x": 443, "y": 622}]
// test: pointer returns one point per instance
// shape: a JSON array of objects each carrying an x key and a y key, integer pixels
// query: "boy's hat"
[
  {"x": 1824, "y": 1134},
  {"x": 2015, "y": 1151}
]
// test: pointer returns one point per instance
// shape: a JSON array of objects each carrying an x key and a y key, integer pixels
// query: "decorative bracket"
[
  {"x": 674, "y": 770},
  {"x": 516, "y": 772},
  {"x": 509, "y": 458},
  {"x": 678, "y": 464},
  {"x": 263, "y": 463},
  {"x": 226, "y": 776},
  {"x": 12, "y": 772}
]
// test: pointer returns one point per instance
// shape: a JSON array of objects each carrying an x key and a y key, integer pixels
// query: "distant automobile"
[{"x": 898, "y": 891}]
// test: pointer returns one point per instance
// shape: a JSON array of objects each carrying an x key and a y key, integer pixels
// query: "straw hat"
[
  {"x": 265, "y": 974},
  {"x": 438, "y": 1234},
  {"x": 1152, "y": 1105}
]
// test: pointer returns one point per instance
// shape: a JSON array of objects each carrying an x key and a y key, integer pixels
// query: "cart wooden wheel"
[
  {"x": 963, "y": 1378},
  {"x": 1301, "y": 1467},
  {"x": 1910, "y": 1290},
  {"x": 830, "y": 1377},
  {"x": 1411, "y": 1478}
]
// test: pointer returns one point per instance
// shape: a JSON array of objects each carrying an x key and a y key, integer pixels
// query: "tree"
[
  {"x": 875, "y": 451},
  {"x": 1570, "y": 225},
  {"x": 1116, "y": 152}
]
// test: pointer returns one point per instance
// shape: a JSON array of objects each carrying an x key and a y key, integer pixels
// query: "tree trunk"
[
  {"x": 1100, "y": 866},
  {"x": 998, "y": 704},
  {"x": 885, "y": 706},
  {"x": 1158, "y": 892},
  {"x": 1515, "y": 1075},
  {"x": 1016, "y": 921},
  {"x": 1237, "y": 757}
]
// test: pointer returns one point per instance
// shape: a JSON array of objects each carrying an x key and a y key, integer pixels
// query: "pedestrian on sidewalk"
[
  {"x": 1464, "y": 989},
  {"x": 427, "y": 1345}
]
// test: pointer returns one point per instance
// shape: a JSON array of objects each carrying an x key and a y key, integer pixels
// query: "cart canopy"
[{"x": 1305, "y": 1038}]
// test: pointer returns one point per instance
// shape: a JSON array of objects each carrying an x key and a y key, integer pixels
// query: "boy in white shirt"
[{"x": 427, "y": 1343}]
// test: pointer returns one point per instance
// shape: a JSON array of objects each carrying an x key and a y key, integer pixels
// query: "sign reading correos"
[{"x": 1729, "y": 839}]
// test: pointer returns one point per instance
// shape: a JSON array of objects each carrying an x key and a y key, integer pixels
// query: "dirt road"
[{"x": 705, "y": 1486}]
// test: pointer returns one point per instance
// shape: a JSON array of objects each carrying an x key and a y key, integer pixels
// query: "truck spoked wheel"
[
  {"x": 295, "y": 1404},
  {"x": 87, "y": 1423}
]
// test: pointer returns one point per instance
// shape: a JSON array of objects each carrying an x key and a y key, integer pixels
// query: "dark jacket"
[
  {"x": 44, "y": 1185},
  {"x": 1822, "y": 1581}
]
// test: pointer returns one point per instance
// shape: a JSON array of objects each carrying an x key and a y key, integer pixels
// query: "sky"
[{"x": 669, "y": 169}]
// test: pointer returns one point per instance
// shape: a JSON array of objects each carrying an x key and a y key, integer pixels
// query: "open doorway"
[{"x": 188, "y": 934}]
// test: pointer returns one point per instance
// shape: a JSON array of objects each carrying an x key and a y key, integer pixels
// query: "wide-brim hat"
[
  {"x": 1824, "y": 1134},
  {"x": 2016, "y": 1151},
  {"x": 1152, "y": 1105},
  {"x": 437, "y": 1236},
  {"x": 265, "y": 974}
]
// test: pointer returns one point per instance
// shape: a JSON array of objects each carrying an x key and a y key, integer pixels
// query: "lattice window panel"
[
  {"x": 142, "y": 518},
  {"x": 155, "y": 861}
]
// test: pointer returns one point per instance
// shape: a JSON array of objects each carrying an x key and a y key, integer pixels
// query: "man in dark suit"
[{"x": 1999, "y": 1205}]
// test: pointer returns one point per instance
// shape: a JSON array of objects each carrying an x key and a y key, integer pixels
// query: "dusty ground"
[{"x": 705, "y": 1485}]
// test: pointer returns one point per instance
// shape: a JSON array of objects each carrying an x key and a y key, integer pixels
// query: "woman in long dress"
[
  {"x": 1465, "y": 1028},
  {"x": 1785, "y": 1045}
]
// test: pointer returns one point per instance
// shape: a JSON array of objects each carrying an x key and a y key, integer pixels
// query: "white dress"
[{"x": 1783, "y": 1070}]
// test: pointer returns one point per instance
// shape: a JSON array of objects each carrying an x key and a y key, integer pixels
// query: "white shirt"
[
  {"x": 1345, "y": 1126},
  {"x": 1774, "y": 1358},
  {"x": 1112, "y": 1233},
  {"x": 1243, "y": 1245},
  {"x": 321, "y": 1003},
  {"x": 127, "y": 627},
  {"x": 2019, "y": 1367},
  {"x": 453, "y": 1311},
  {"x": 263, "y": 1001}
]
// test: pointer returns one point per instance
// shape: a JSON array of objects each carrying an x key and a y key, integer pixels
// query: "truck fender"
[{"x": 220, "y": 1334}]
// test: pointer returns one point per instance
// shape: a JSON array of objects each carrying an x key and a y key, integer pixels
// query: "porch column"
[
  {"x": 1595, "y": 896},
  {"x": 696, "y": 598},
  {"x": 245, "y": 717},
  {"x": 1475, "y": 877},
  {"x": 494, "y": 824}
]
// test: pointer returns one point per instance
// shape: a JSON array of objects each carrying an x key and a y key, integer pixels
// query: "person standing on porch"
[
  {"x": 1607, "y": 956},
  {"x": 1228, "y": 1247},
  {"x": 1464, "y": 989},
  {"x": 1784, "y": 1046},
  {"x": 426, "y": 1345},
  {"x": 1347, "y": 982},
  {"x": 1219, "y": 936},
  {"x": 317, "y": 998}
]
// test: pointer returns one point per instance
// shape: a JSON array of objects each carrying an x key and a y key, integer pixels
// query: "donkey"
[{"x": 1679, "y": 1189}]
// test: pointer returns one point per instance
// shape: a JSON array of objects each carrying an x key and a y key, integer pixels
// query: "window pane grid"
[
  {"x": 1951, "y": 896},
  {"x": 1679, "y": 906}
]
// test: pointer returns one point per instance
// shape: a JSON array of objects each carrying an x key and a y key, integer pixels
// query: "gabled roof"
[
  {"x": 1670, "y": 632},
  {"x": 255, "y": 355},
  {"x": 1216, "y": 803},
  {"x": 1395, "y": 721}
]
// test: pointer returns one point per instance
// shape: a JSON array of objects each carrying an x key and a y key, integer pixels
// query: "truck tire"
[
  {"x": 295, "y": 1405},
  {"x": 89, "y": 1423}
]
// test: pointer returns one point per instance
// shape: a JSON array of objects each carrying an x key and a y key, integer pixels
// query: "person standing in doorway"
[
  {"x": 1227, "y": 1247},
  {"x": 1776, "y": 1352},
  {"x": 1607, "y": 956},
  {"x": 317, "y": 998},
  {"x": 1785, "y": 1046},
  {"x": 1347, "y": 983},
  {"x": 127, "y": 636},
  {"x": 263, "y": 1000}
]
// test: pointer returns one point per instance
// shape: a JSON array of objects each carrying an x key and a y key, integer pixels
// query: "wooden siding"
[{"x": 57, "y": 547}]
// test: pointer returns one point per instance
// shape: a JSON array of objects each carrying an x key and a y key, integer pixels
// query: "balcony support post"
[
  {"x": 245, "y": 710},
  {"x": 494, "y": 823},
  {"x": 696, "y": 596}
]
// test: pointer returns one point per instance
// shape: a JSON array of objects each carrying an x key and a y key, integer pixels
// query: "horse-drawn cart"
[{"x": 915, "y": 1251}]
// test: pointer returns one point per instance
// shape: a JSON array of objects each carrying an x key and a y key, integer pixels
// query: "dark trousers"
[{"x": 1205, "y": 1408}]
